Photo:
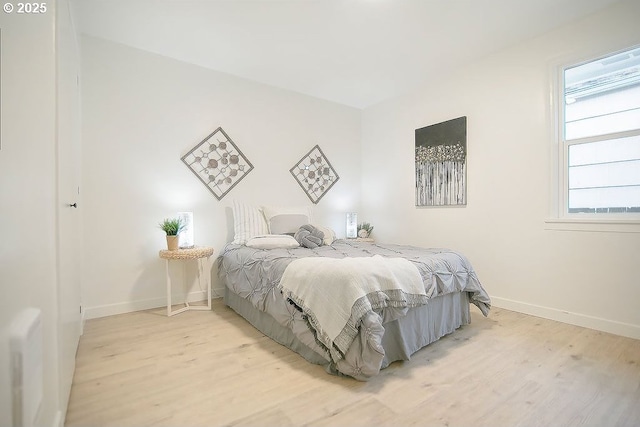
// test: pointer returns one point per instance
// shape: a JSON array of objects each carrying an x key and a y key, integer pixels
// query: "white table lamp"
[
  {"x": 186, "y": 235},
  {"x": 352, "y": 225}
]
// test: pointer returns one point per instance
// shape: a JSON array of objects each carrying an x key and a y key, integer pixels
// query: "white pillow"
[
  {"x": 273, "y": 241},
  {"x": 329, "y": 234},
  {"x": 286, "y": 220},
  {"x": 248, "y": 221}
]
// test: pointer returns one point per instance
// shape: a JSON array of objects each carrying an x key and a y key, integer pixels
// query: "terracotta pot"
[{"x": 172, "y": 243}]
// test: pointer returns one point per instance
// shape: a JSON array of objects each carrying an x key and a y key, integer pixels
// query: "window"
[{"x": 600, "y": 137}]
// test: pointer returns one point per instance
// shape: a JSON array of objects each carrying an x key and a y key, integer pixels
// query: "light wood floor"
[{"x": 214, "y": 369}]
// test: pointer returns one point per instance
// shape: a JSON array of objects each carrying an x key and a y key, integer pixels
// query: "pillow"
[
  {"x": 286, "y": 220},
  {"x": 248, "y": 221},
  {"x": 273, "y": 241},
  {"x": 309, "y": 236},
  {"x": 329, "y": 234}
]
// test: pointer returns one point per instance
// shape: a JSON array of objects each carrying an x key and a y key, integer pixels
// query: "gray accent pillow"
[{"x": 309, "y": 236}]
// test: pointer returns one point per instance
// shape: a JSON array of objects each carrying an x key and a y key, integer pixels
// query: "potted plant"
[
  {"x": 173, "y": 227},
  {"x": 364, "y": 230}
]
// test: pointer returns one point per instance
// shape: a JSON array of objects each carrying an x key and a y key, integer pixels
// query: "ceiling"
[{"x": 353, "y": 52}]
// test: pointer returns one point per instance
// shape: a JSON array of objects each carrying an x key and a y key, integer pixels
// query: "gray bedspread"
[{"x": 254, "y": 274}]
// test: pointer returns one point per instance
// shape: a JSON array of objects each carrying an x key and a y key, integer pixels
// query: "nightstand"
[
  {"x": 199, "y": 253},
  {"x": 365, "y": 239}
]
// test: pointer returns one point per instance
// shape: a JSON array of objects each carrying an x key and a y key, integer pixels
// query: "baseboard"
[
  {"x": 217, "y": 292},
  {"x": 591, "y": 322},
  {"x": 130, "y": 306}
]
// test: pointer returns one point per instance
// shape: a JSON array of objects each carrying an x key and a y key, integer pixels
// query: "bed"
[{"x": 384, "y": 331}]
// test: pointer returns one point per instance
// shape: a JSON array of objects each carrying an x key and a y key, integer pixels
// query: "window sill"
[{"x": 593, "y": 225}]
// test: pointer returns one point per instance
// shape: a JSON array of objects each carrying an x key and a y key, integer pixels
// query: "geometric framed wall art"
[
  {"x": 441, "y": 163},
  {"x": 314, "y": 173},
  {"x": 218, "y": 163}
]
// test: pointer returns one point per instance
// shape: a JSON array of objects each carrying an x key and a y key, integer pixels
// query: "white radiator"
[{"x": 26, "y": 366}]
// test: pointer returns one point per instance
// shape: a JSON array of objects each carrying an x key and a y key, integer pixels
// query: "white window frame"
[{"x": 560, "y": 218}]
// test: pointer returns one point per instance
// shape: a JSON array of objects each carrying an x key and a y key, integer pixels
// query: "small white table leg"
[
  {"x": 168, "y": 290},
  {"x": 207, "y": 271},
  {"x": 202, "y": 271},
  {"x": 171, "y": 312}
]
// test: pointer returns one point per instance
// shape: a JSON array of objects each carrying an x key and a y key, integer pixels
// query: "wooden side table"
[
  {"x": 362, "y": 239},
  {"x": 365, "y": 239},
  {"x": 199, "y": 253}
]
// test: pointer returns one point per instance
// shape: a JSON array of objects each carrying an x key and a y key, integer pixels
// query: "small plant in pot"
[
  {"x": 364, "y": 230},
  {"x": 173, "y": 227}
]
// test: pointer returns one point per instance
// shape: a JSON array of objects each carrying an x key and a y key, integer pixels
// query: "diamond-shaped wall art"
[
  {"x": 315, "y": 174},
  {"x": 218, "y": 163}
]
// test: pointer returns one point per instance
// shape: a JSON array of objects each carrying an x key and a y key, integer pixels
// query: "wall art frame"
[
  {"x": 218, "y": 163},
  {"x": 315, "y": 175},
  {"x": 441, "y": 163}
]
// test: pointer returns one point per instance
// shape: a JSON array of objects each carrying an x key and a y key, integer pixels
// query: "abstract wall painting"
[
  {"x": 314, "y": 174},
  {"x": 218, "y": 163},
  {"x": 441, "y": 163}
]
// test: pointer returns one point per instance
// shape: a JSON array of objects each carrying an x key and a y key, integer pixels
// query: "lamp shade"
[
  {"x": 186, "y": 235},
  {"x": 352, "y": 225}
]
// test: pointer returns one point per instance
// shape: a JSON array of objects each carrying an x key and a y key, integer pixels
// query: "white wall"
[
  {"x": 585, "y": 278},
  {"x": 141, "y": 113},
  {"x": 28, "y": 206}
]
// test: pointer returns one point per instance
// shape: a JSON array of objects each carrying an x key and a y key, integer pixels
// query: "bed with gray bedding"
[{"x": 387, "y": 329}]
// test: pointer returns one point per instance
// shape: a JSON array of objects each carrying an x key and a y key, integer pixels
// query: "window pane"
[
  {"x": 611, "y": 150},
  {"x": 604, "y": 176},
  {"x": 603, "y": 96},
  {"x": 603, "y": 200}
]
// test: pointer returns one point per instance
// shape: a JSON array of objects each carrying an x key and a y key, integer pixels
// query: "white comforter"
[{"x": 335, "y": 294}]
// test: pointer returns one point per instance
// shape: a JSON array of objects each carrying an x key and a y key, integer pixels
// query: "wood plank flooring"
[{"x": 214, "y": 369}]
